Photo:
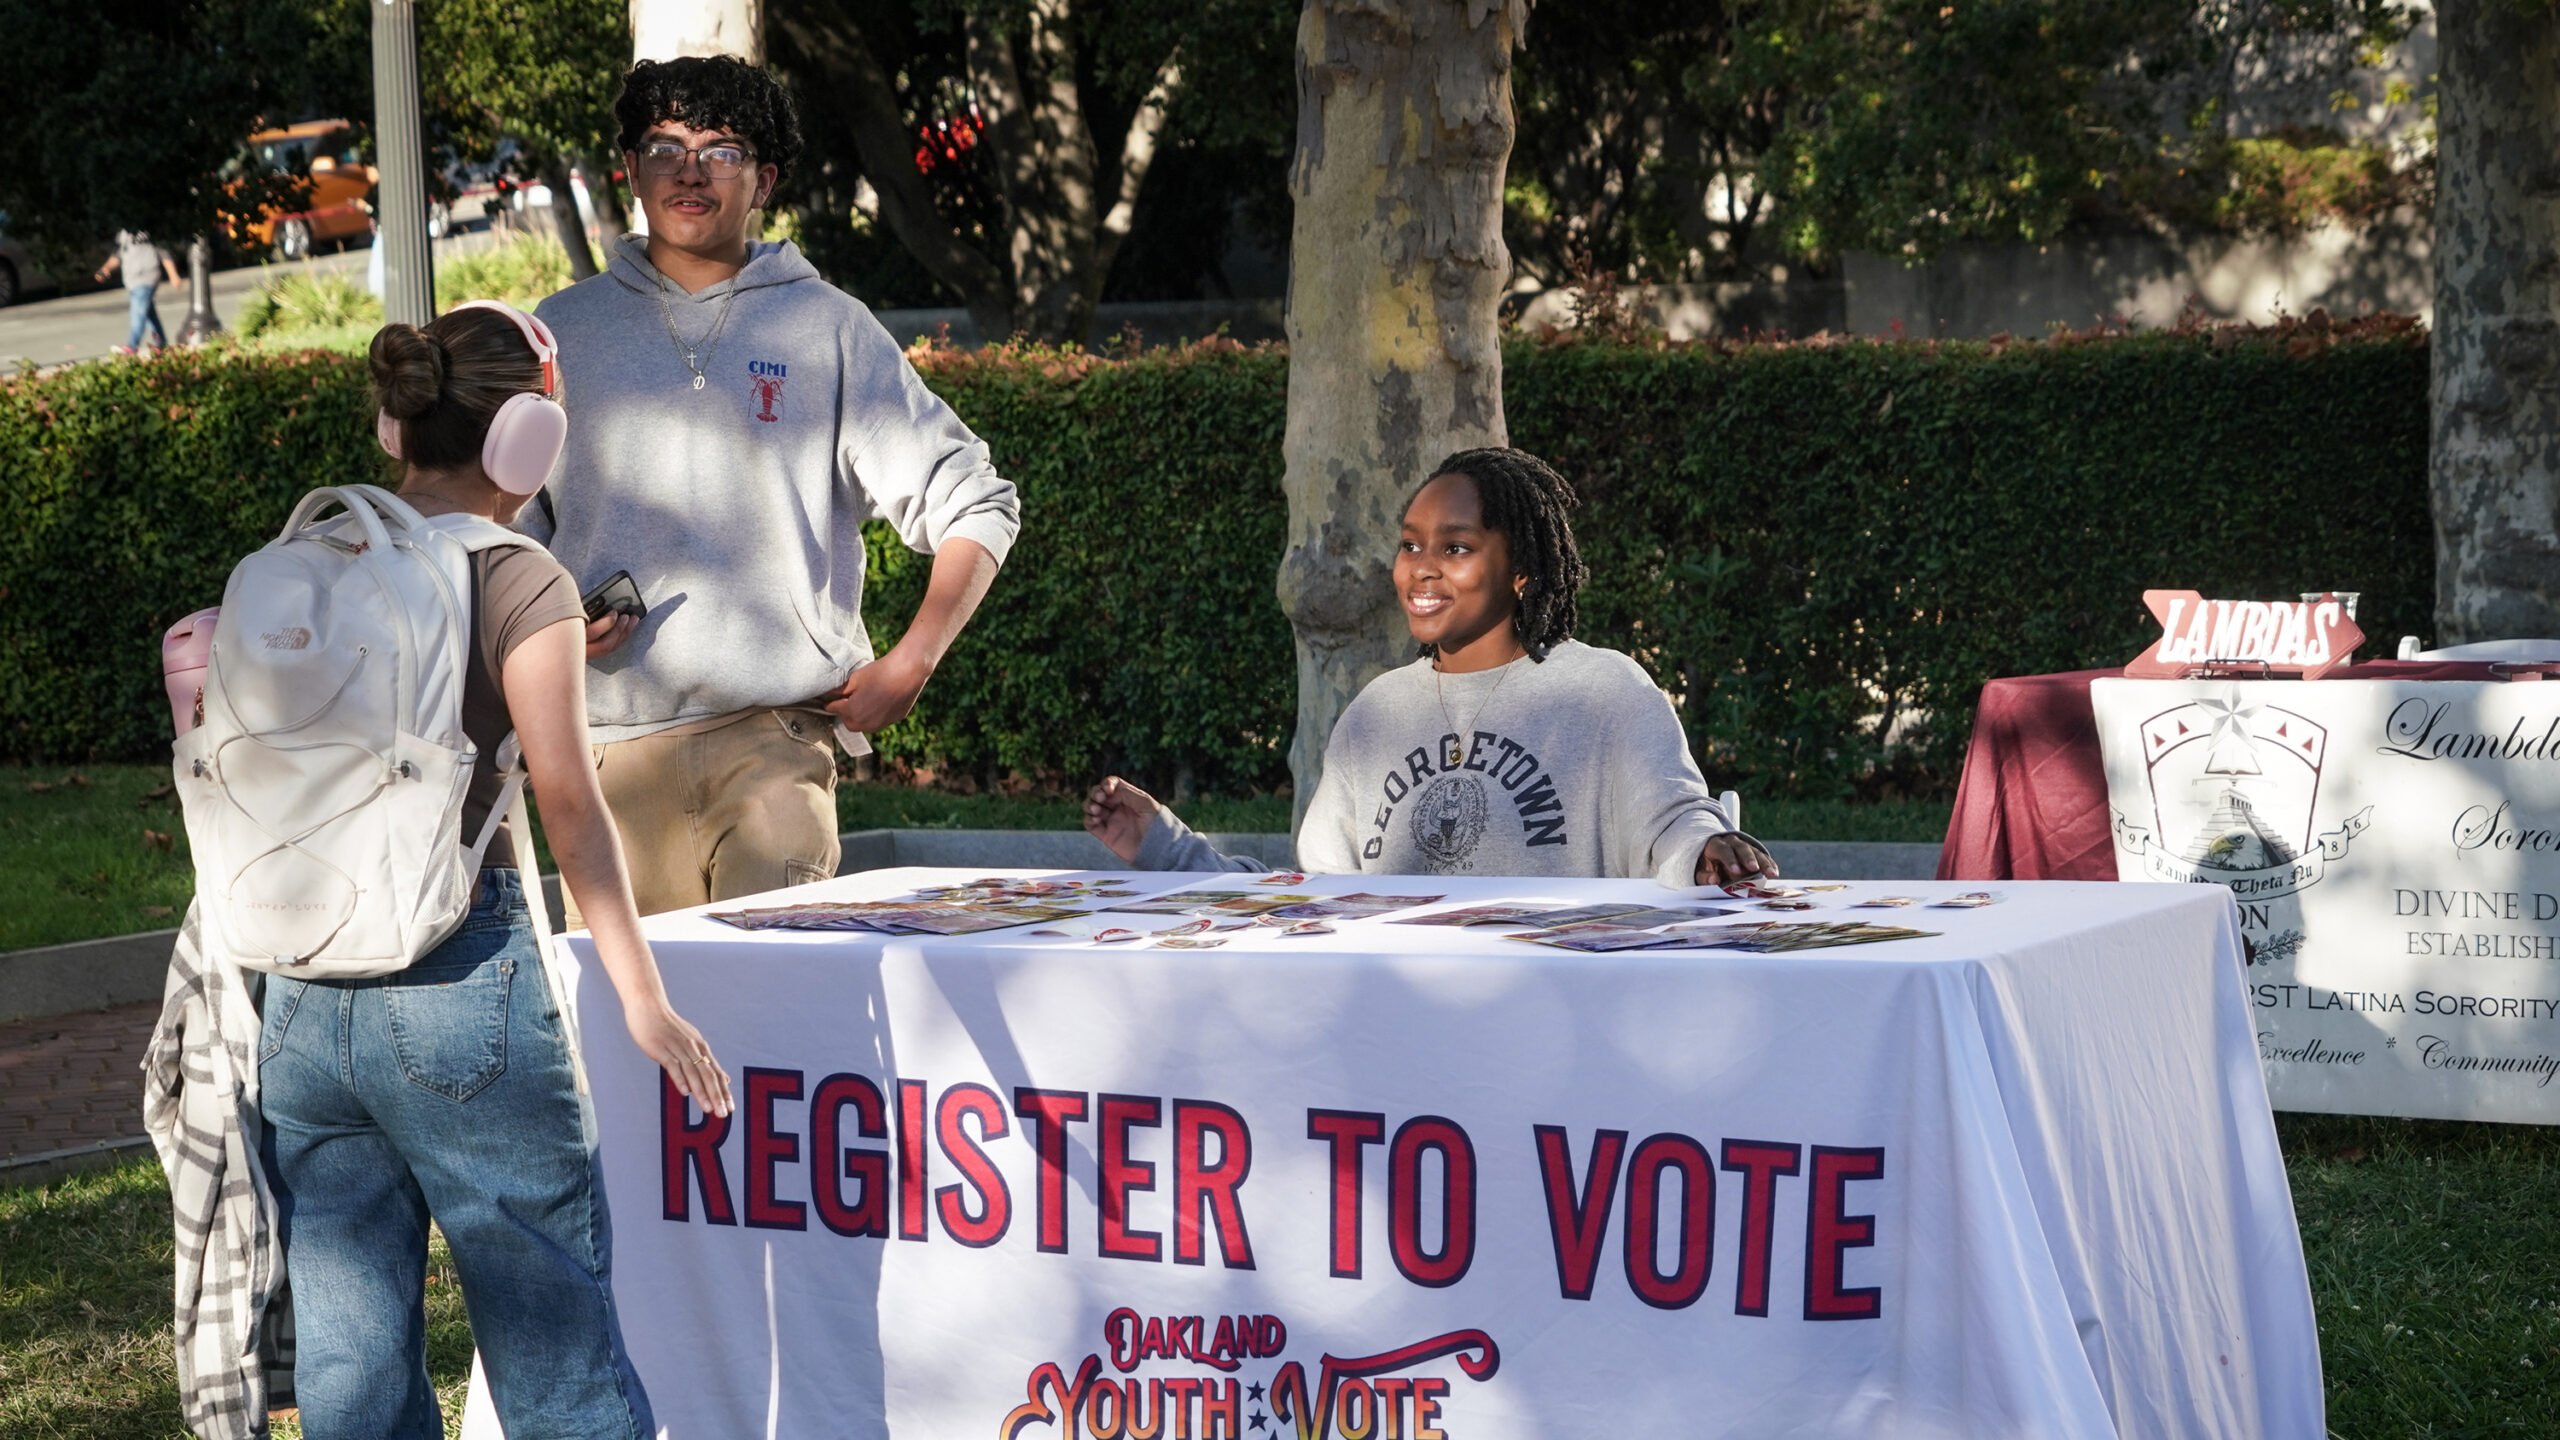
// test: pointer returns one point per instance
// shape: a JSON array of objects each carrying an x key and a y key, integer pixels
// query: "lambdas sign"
[
  {"x": 2395, "y": 851},
  {"x": 2275, "y": 636}
]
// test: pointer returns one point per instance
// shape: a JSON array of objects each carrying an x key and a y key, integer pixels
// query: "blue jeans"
[
  {"x": 146, "y": 315},
  {"x": 444, "y": 1090}
]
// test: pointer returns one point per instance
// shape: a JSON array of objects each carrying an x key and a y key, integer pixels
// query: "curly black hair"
[
  {"x": 710, "y": 92},
  {"x": 1524, "y": 501}
]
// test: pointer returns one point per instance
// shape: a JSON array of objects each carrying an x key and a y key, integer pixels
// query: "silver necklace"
[
  {"x": 710, "y": 343},
  {"x": 1457, "y": 753}
]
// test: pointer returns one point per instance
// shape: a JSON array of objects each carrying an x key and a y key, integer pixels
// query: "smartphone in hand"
[{"x": 618, "y": 595}]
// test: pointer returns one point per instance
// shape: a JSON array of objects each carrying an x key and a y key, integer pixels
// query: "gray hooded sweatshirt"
[{"x": 738, "y": 507}]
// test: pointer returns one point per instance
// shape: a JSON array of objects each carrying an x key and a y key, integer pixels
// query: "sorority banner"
[
  {"x": 1425, "y": 1183},
  {"x": 2394, "y": 847}
]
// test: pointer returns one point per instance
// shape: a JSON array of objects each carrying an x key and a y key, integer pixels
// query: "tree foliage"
[
  {"x": 141, "y": 104},
  {"x": 1005, "y": 147},
  {"x": 1704, "y": 139},
  {"x": 543, "y": 72}
]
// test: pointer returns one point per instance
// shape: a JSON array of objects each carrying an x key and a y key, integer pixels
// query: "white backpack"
[{"x": 323, "y": 790}]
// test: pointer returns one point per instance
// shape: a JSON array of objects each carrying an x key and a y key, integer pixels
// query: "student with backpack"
[{"x": 352, "y": 793}]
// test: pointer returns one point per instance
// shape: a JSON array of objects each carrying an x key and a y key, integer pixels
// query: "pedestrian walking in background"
[{"x": 143, "y": 264}]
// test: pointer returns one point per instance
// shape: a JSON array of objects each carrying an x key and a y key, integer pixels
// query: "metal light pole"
[
  {"x": 202, "y": 323},
  {"x": 399, "y": 144}
]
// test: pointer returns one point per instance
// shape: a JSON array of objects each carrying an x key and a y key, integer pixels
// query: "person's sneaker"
[{"x": 119, "y": 349}]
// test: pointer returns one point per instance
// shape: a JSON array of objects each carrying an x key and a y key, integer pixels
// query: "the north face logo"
[
  {"x": 764, "y": 378},
  {"x": 293, "y": 638}
]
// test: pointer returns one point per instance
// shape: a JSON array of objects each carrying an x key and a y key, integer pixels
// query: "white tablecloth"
[{"x": 2048, "y": 1127}]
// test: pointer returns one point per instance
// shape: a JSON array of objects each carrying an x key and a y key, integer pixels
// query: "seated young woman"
[{"x": 1508, "y": 748}]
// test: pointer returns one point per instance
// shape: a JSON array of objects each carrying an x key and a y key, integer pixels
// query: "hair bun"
[{"x": 408, "y": 366}]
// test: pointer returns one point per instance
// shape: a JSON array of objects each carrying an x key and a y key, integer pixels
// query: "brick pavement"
[{"x": 75, "y": 1079}]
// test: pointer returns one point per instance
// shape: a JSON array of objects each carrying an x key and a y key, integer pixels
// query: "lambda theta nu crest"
[{"x": 2233, "y": 786}]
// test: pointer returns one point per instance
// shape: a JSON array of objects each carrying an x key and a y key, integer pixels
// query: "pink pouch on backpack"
[{"x": 184, "y": 649}]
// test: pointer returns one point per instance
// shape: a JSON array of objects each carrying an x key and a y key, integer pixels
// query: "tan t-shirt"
[{"x": 517, "y": 591}]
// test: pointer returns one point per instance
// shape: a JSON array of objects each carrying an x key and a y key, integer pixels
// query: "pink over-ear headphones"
[{"x": 527, "y": 433}]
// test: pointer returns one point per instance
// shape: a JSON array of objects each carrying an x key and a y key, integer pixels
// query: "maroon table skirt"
[{"x": 2032, "y": 804}]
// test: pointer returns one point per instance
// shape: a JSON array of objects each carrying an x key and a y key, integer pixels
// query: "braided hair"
[{"x": 1525, "y": 500}]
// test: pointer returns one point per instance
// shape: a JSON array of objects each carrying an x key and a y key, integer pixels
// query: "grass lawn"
[
  {"x": 2434, "y": 1252},
  {"x": 84, "y": 1313},
  {"x": 78, "y": 857}
]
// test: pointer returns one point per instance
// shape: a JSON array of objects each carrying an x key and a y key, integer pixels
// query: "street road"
[{"x": 84, "y": 327}]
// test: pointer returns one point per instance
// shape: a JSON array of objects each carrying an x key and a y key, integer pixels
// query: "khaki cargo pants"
[{"x": 713, "y": 814}]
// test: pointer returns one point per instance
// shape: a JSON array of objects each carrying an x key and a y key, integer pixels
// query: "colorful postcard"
[
  {"x": 1597, "y": 937},
  {"x": 1201, "y": 902},
  {"x": 1351, "y": 907},
  {"x": 1479, "y": 915},
  {"x": 1970, "y": 900},
  {"x": 976, "y": 919},
  {"x": 1671, "y": 915},
  {"x": 1581, "y": 914},
  {"x": 1777, "y": 936}
]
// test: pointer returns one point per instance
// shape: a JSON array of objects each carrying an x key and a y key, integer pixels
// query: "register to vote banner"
[
  {"x": 2395, "y": 851},
  {"x": 1032, "y": 1194}
]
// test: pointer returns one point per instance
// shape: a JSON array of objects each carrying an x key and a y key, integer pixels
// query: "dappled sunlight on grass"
[{"x": 82, "y": 859}]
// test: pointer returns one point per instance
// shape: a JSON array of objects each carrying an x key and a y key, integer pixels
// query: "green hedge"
[
  {"x": 1822, "y": 549},
  {"x": 1813, "y": 544}
]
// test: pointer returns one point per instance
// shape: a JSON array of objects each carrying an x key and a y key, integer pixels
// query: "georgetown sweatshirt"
[
  {"x": 738, "y": 507},
  {"x": 1574, "y": 765}
]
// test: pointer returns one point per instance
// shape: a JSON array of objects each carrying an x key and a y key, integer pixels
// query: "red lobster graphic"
[{"x": 768, "y": 394}]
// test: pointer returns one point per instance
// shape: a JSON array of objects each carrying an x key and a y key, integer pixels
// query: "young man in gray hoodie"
[{"x": 733, "y": 419}]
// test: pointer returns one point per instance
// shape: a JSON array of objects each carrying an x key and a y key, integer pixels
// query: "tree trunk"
[
  {"x": 2496, "y": 454},
  {"x": 613, "y": 221},
  {"x": 665, "y": 29},
  {"x": 827, "y": 40},
  {"x": 1064, "y": 218},
  {"x": 564, "y": 218},
  {"x": 1044, "y": 163},
  {"x": 1396, "y": 269}
]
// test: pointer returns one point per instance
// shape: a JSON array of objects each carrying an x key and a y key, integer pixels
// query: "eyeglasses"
[{"x": 721, "y": 160}]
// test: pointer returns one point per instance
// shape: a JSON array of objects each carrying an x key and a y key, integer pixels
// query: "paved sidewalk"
[{"x": 71, "y": 1080}]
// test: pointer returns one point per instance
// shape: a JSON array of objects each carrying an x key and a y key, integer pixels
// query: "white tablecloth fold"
[{"x": 2017, "y": 1180}]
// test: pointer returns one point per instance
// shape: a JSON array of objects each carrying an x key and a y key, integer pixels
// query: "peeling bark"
[
  {"x": 1397, "y": 269},
  {"x": 665, "y": 29},
  {"x": 2495, "y": 459}
]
